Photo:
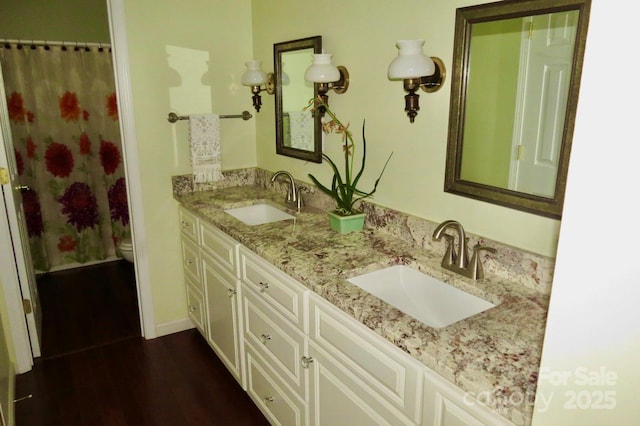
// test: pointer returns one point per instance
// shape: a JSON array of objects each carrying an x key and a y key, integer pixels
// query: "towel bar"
[{"x": 173, "y": 117}]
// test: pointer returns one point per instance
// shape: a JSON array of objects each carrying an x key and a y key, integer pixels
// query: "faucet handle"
[
  {"x": 291, "y": 195},
  {"x": 294, "y": 197},
  {"x": 475, "y": 264},
  {"x": 450, "y": 255},
  {"x": 298, "y": 199}
]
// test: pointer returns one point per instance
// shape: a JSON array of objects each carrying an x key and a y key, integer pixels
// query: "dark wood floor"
[
  {"x": 121, "y": 379},
  {"x": 88, "y": 307}
]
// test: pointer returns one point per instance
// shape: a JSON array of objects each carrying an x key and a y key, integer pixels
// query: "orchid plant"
[{"x": 344, "y": 188}]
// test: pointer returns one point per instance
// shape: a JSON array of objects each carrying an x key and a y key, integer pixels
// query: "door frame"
[
  {"x": 19, "y": 334},
  {"x": 118, "y": 33},
  {"x": 9, "y": 277}
]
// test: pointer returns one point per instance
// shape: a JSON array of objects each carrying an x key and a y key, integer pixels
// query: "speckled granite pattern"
[
  {"x": 511, "y": 264},
  {"x": 494, "y": 355},
  {"x": 185, "y": 184}
]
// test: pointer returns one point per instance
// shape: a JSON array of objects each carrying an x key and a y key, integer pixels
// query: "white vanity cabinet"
[
  {"x": 274, "y": 323},
  {"x": 189, "y": 243},
  {"x": 212, "y": 287},
  {"x": 302, "y": 360},
  {"x": 358, "y": 378}
]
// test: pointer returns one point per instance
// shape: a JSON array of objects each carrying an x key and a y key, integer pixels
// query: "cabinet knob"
[
  {"x": 189, "y": 261},
  {"x": 264, "y": 338},
  {"x": 231, "y": 292},
  {"x": 193, "y": 308},
  {"x": 306, "y": 361},
  {"x": 268, "y": 399},
  {"x": 185, "y": 224},
  {"x": 263, "y": 286}
]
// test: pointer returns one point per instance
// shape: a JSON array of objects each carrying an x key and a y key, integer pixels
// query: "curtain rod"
[{"x": 54, "y": 43}]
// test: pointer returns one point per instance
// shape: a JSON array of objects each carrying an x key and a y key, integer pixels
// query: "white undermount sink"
[
  {"x": 427, "y": 299},
  {"x": 258, "y": 214}
]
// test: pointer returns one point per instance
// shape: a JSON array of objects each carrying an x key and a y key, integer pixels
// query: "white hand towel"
[
  {"x": 301, "y": 128},
  {"x": 204, "y": 138}
]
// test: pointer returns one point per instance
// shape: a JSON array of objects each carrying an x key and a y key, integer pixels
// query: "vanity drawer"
[
  {"x": 278, "y": 403},
  {"x": 191, "y": 260},
  {"x": 280, "y": 343},
  {"x": 188, "y": 223},
  {"x": 195, "y": 306},
  {"x": 220, "y": 246},
  {"x": 281, "y": 292},
  {"x": 394, "y": 375}
]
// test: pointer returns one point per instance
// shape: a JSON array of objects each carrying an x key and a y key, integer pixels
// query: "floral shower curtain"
[{"x": 64, "y": 122}]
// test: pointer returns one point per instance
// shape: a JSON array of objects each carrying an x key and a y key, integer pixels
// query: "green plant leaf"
[
  {"x": 345, "y": 191},
  {"x": 364, "y": 156}
]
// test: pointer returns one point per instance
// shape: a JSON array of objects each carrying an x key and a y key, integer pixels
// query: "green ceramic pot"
[{"x": 346, "y": 224}]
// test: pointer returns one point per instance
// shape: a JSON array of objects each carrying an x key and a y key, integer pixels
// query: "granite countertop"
[{"x": 493, "y": 355}]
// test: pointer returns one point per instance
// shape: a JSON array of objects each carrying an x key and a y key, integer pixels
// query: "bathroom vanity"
[{"x": 311, "y": 348}]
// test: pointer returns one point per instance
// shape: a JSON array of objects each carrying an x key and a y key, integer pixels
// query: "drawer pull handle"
[
  {"x": 185, "y": 224},
  {"x": 269, "y": 399},
  {"x": 263, "y": 286},
  {"x": 306, "y": 361},
  {"x": 231, "y": 292},
  {"x": 189, "y": 261},
  {"x": 193, "y": 308},
  {"x": 264, "y": 338}
]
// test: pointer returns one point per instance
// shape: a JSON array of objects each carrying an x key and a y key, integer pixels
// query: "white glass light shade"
[
  {"x": 285, "y": 76},
  {"x": 253, "y": 76},
  {"x": 411, "y": 62},
  {"x": 322, "y": 71}
]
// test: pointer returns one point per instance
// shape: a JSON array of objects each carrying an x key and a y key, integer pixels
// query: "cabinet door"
[
  {"x": 448, "y": 405},
  {"x": 222, "y": 311},
  {"x": 391, "y": 374},
  {"x": 338, "y": 397}
]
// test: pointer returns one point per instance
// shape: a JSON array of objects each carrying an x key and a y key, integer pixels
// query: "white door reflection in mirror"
[
  {"x": 516, "y": 101},
  {"x": 544, "y": 77}
]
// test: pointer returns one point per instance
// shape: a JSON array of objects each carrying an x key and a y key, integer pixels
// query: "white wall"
[
  {"x": 361, "y": 35},
  {"x": 185, "y": 57},
  {"x": 593, "y": 328},
  {"x": 60, "y": 20}
]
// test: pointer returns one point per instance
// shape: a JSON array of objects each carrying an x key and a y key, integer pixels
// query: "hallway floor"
[{"x": 97, "y": 370}]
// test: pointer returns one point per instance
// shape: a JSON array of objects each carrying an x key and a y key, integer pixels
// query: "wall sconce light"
[
  {"x": 417, "y": 70},
  {"x": 327, "y": 76},
  {"x": 254, "y": 77}
]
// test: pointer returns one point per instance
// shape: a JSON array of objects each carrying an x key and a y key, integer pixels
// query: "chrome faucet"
[
  {"x": 294, "y": 197},
  {"x": 458, "y": 261}
]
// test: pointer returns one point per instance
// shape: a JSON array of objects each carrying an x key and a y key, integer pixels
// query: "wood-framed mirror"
[
  {"x": 516, "y": 77},
  {"x": 298, "y": 131}
]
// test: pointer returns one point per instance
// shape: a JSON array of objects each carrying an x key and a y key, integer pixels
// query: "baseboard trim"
[{"x": 173, "y": 327}]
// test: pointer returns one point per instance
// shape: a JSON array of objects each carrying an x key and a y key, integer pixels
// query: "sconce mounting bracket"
[{"x": 433, "y": 83}]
